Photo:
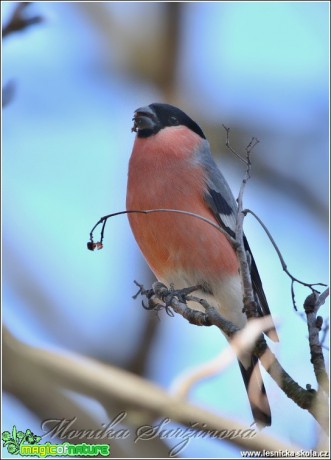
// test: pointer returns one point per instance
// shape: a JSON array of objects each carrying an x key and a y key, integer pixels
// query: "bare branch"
[
  {"x": 314, "y": 402},
  {"x": 228, "y": 145},
  {"x": 250, "y": 305},
  {"x": 18, "y": 21},
  {"x": 282, "y": 261},
  {"x": 322, "y": 298},
  {"x": 108, "y": 383},
  {"x": 160, "y": 297},
  {"x": 314, "y": 323},
  {"x": 103, "y": 220},
  {"x": 316, "y": 406},
  {"x": 241, "y": 342}
]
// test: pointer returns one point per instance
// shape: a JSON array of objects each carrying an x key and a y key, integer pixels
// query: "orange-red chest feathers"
[{"x": 164, "y": 172}]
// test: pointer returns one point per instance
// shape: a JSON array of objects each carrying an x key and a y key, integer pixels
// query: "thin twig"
[
  {"x": 242, "y": 342},
  {"x": 228, "y": 145},
  {"x": 107, "y": 384},
  {"x": 262, "y": 351},
  {"x": 250, "y": 305},
  {"x": 314, "y": 402},
  {"x": 282, "y": 261},
  {"x": 160, "y": 297},
  {"x": 18, "y": 21},
  {"x": 91, "y": 245}
]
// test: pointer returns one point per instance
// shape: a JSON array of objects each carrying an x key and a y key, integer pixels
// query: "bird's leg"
[
  {"x": 161, "y": 292},
  {"x": 168, "y": 294}
]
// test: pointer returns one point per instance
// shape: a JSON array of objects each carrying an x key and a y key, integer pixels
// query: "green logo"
[
  {"x": 15, "y": 439},
  {"x": 18, "y": 442}
]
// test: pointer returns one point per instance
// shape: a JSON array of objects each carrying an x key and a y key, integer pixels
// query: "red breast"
[{"x": 165, "y": 173}]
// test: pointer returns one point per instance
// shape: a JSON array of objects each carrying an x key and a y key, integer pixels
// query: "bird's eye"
[{"x": 173, "y": 120}]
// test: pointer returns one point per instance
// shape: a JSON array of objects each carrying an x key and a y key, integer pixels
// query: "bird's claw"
[
  {"x": 172, "y": 293},
  {"x": 152, "y": 305},
  {"x": 166, "y": 295}
]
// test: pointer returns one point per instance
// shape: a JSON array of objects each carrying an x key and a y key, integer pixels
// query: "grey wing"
[
  {"x": 224, "y": 206},
  {"x": 218, "y": 194}
]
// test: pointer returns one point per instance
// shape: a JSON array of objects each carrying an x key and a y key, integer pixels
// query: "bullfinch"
[{"x": 171, "y": 166}]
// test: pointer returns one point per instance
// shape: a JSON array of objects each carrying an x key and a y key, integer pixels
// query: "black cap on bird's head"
[{"x": 151, "y": 119}]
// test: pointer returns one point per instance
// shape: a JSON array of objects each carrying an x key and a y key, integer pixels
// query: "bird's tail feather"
[{"x": 256, "y": 392}]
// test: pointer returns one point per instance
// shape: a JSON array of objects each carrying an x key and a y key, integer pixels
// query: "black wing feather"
[{"x": 226, "y": 216}]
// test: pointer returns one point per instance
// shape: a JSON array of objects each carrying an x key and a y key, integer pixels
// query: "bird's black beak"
[{"x": 144, "y": 119}]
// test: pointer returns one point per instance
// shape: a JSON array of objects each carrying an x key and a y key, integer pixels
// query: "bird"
[{"x": 172, "y": 167}]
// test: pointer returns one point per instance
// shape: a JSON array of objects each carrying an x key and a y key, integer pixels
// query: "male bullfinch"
[{"x": 171, "y": 166}]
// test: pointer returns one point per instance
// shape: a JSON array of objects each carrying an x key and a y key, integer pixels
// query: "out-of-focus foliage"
[{"x": 261, "y": 68}]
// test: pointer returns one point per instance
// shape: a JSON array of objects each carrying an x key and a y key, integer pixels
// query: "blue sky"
[{"x": 66, "y": 145}]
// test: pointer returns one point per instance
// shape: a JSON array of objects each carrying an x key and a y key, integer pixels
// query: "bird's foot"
[
  {"x": 167, "y": 295},
  {"x": 161, "y": 297}
]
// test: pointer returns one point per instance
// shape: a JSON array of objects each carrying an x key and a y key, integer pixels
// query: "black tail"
[{"x": 256, "y": 392}]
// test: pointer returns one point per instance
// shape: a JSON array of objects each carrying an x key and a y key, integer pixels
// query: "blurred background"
[{"x": 73, "y": 82}]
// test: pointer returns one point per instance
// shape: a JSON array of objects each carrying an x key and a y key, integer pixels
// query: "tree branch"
[
  {"x": 106, "y": 383},
  {"x": 308, "y": 399},
  {"x": 91, "y": 245},
  {"x": 282, "y": 261},
  {"x": 303, "y": 398},
  {"x": 314, "y": 323},
  {"x": 18, "y": 21},
  {"x": 250, "y": 305},
  {"x": 160, "y": 297}
]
